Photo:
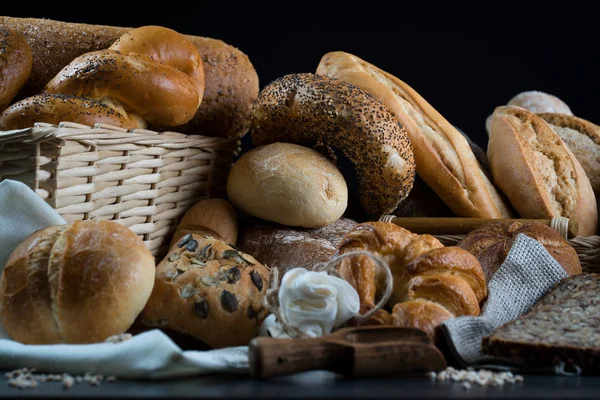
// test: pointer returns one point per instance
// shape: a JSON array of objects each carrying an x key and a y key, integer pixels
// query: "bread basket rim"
[{"x": 42, "y": 132}]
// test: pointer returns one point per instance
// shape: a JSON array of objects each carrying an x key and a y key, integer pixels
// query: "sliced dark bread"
[{"x": 562, "y": 327}]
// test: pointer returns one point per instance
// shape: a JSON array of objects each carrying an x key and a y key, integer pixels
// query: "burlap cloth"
[{"x": 527, "y": 274}]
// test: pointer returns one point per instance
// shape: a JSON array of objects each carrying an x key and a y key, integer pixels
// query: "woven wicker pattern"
[{"x": 143, "y": 179}]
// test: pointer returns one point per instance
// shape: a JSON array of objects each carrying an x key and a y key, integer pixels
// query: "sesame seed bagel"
[
  {"x": 160, "y": 94},
  {"x": 166, "y": 46},
  {"x": 314, "y": 110},
  {"x": 56, "y": 108}
]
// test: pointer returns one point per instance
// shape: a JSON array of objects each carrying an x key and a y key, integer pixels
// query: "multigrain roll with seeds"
[
  {"x": 209, "y": 290},
  {"x": 318, "y": 111}
]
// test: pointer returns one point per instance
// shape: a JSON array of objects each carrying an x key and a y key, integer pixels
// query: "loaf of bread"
[
  {"x": 318, "y": 111},
  {"x": 563, "y": 327},
  {"x": 231, "y": 82},
  {"x": 537, "y": 172},
  {"x": 444, "y": 159},
  {"x": 582, "y": 137},
  {"x": 431, "y": 283},
  {"x": 209, "y": 290},
  {"x": 288, "y": 184},
  {"x": 15, "y": 65},
  {"x": 283, "y": 247},
  {"x": 492, "y": 242},
  {"x": 215, "y": 218},
  {"x": 76, "y": 283}
]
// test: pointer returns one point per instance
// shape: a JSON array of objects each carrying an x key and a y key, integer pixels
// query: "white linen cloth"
[
  {"x": 313, "y": 302},
  {"x": 150, "y": 354}
]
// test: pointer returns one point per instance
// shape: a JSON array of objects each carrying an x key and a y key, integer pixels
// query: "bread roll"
[
  {"x": 431, "y": 282},
  {"x": 536, "y": 170},
  {"x": 76, "y": 283},
  {"x": 318, "y": 111},
  {"x": 284, "y": 247},
  {"x": 288, "y": 184},
  {"x": 211, "y": 217},
  {"x": 540, "y": 102},
  {"x": 165, "y": 46},
  {"x": 444, "y": 159},
  {"x": 157, "y": 92},
  {"x": 492, "y": 242},
  {"x": 207, "y": 289},
  {"x": 15, "y": 65},
  {"x": 56, "y": 108},
  {"x": 583, "y": 139},
  {"x": 231, "y": 82}
]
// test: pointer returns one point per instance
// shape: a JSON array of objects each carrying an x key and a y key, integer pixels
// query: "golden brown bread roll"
[
  {"x": 76, "y": 283},
  {"x": 15, "y": 65},
  {"x": 216, "y": 218},
  {"x": 155, "y": 91},
  {"x": 231, "y": 82},
  {"x": 207, "y": 289},
  {"x": 492, "y": 242},
  {"x": 430, "y": 282},
  {"x": 56, "y": 108},
  {"x": 536, "y": 170},
  {"x": 443, "y": 157},
  {"x": 165, "y": 46},
  {"x": 288, "y": 184},
  {"x": 318, "y": 111}
]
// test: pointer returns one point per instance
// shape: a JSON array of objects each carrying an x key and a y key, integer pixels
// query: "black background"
[{"x": 465, "y": 59}]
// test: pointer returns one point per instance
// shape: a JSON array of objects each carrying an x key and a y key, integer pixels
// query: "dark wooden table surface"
[{"x": 315, "y": 385}]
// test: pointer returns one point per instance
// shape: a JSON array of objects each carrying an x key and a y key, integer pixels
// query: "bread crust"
[
  {"x": 231, "y": 82},
  {"x": 312, "y": 110},
  {"x": 210, "y": 217},
  {"x": 584, "y": 144},
  {"x": 444, "y": 159},
  {"x": 536, "y": 170},
  {"x": 288, "y": 184},
  {"x": 56, "y": 108},
  {"x": 76, "y": 283},
  {"x": 15, "y": 65},
  {"x": 210, "y": 291},
  {"x": 492, "y": 242}
]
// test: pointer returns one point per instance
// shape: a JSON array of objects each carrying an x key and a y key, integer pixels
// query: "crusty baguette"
[
  {"x": 443, "y": 156},
  {"x": 537, "y": 171},
  {"x": 231, "y": 82}
]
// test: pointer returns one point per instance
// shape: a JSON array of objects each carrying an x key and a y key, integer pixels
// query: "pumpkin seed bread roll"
[
  {"x": 209, "y": 290},
  {"x": 318, "y": 111}
]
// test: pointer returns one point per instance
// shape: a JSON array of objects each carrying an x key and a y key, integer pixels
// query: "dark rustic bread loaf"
[
  {"x": 284, "y": 247},
  {"x": 563, "y": 327}
]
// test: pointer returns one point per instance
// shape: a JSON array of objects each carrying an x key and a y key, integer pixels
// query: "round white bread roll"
[
  {"x": 540, "y": 102},
  {"x": 76, "y": 283},
  {"x": 288, "y": 184}
]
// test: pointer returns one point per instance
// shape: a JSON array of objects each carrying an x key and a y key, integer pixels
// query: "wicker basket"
[{"x": 142, "y": 179}]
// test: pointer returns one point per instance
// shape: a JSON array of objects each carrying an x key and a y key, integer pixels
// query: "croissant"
[{"x": 431, "y": 283}]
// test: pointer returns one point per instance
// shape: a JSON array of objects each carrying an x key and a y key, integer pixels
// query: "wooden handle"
[
  {"x": 269, "y": 357},
  {"x": 461, "y": 226}
]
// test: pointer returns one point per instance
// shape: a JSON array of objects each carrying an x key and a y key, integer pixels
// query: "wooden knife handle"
[{"x": 270, "y": 357}]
